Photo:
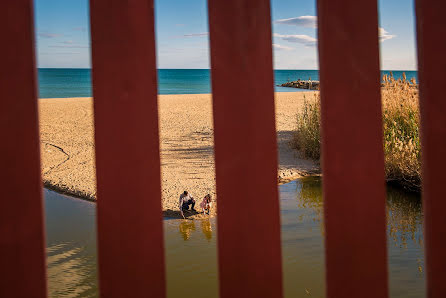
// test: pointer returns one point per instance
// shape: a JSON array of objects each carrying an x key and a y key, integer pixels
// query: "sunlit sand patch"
[{"x": 186, "y": 144}]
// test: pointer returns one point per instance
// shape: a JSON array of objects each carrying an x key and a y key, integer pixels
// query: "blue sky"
[{"x": 62, "y": 34}]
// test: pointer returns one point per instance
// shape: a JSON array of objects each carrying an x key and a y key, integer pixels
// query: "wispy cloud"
[
  {"x": 281, "y": 47},
  {"x": 83, "y": 29},
  {"x": 311, "y": 22},
  {"x": 303, "y": 21},
  {"x": 306, "y": 40},
  {"x": 196, "y": 34},
  {"x": 61, "y": 53},
  {"x": 48, "y": 35},
  {"x": 70, "y": 46}
]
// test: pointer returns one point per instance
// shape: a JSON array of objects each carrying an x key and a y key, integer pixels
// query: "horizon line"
[{"x": 210, "y": 68}]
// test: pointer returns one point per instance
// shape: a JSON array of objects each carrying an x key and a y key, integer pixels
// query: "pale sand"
[{"x": 187, "y": 156}]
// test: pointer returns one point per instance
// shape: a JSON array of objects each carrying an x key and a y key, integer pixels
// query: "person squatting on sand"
[
  {"x": 185, "y": 200},
  {"x": 206, "y": 204}
]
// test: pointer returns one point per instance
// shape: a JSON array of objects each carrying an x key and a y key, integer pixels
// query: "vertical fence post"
[
  {"x": 245, "y": 148},
  {"x": 130, "y": 231},
  {"x": 352, "y": 149},
  {"x": 431, "y": 31},
  {"x": 22, "y": 243}
]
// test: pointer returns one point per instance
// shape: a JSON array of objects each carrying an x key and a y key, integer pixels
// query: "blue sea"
[{"x": 75, "y": 82}]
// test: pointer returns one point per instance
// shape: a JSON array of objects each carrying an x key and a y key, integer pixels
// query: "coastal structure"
[
  {"x": 302, "y": 84},
  {"x": 315, "y": 85}
]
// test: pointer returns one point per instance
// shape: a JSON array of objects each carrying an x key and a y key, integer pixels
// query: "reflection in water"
[
  {"x": 404, "y": 228},
  {"x": 186, "y": 228},
  {"x": 207, "y": 229},
  {"x": 404, "y": 219},
  {"x": 191, "y": 258},
  {"x": 69, "y": 271},
  {"x": 71, "y": 246},
  {"x": 309, "y": 196},
  {"x": 405, "y": 244},
  {"x": 302, "y": 241},
  {"x": 404, "y": 211}
]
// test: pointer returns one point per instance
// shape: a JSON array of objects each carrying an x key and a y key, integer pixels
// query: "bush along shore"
[{"x": 401, "y": 135}]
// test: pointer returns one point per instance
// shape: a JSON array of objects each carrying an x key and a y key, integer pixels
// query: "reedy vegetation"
[{"x": 401, "y": 135}]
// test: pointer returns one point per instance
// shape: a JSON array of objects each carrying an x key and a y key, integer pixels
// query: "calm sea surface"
[
  {"x": 191, "y": 253},
  {"x": 63, "y": 82}
]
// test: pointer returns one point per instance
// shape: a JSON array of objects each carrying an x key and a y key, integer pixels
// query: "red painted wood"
[
  {"x": 352, "y": 151},
  {"x": 431, "y": 32},
  {"x": 130, "y": 231},
  {"x": 22, "y": 241},
  {"x": 245, "y": 149}
]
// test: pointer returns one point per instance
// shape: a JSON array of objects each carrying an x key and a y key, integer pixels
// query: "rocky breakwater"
[{"x": 311, "y": 85}]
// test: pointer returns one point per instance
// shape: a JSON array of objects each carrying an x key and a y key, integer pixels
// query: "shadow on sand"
[{"x": 175, "y": 214}]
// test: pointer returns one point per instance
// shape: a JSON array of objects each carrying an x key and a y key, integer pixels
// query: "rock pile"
[{"x": 311, "y": 85}]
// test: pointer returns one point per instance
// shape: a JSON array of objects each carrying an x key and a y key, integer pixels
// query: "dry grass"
[
  {"x": 400, "y": 126},
  {"x": 401, "y": 122},
  {"x": 307, "y": 139}
]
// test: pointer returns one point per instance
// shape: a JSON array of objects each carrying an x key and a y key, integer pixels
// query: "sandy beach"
[{"x": 187, "y": 147}]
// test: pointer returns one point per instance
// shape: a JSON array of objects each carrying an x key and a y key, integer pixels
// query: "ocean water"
[{"x": 65, "y": 82}]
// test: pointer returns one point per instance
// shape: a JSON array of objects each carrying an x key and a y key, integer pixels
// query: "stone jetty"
[
  {"x": 309, "y": 84},
  {"x": 387, "y": 82}
]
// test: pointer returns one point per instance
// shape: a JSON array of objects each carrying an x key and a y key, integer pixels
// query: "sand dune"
[{"x": 187, "y": 156}]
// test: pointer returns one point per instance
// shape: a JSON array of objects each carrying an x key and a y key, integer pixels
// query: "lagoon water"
[
  {"x": 66, "y": 82},
  {"x": 191, "y": 258}
]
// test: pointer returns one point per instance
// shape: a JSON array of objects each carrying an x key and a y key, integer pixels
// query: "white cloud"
[
  {"x": 281, "y": 47},
  {"x": 71, "y": 46},
  {"x": 64, "y": 53},
  {"x": 83, "y": 29},
  {"x": 306, "y": 40},
  {"x": 196, "y": 34},
  {"x": 304, "y": 21},
  {"x": 384, "y": 35},
  {"x": 48, "y": 35},
  {"x": 311, "y": 22}
]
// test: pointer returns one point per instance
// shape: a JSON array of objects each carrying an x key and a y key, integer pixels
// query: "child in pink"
[{"x": 206, "y": 204}]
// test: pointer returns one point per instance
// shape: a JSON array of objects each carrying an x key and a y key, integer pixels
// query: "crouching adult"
[{"x": 186, "y": 200}]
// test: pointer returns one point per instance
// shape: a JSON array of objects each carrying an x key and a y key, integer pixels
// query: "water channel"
[{"x": 191, "y": 246}]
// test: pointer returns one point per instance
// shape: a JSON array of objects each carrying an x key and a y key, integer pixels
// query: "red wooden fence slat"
[
  {"x": 22, "y": 241},
  {"x": 130, "y": 230},
  {"x": 352, "y": 149},
  {"x": 431, "y": 32},
  {"x": 245, "y": 149}
]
